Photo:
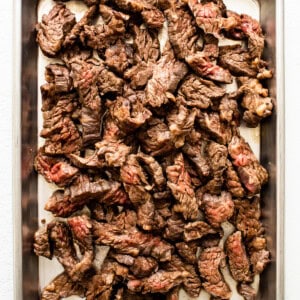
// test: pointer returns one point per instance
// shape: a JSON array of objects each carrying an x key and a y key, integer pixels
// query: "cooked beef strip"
[
  {"x": 132, "y": 242},
  {"x": 239, "y": 264},
  {"x": 54, "y": 169},
  {"x": 200, "y": 93},
  {"x": 179, "y": 182},
  {"x": 210, "y": 262},
  {"x": 182, "y": 31},
  {"x": 196, "y": 230},
  {"x": 204, "y": 67},
  {"x": 42, "y": 246},
  {"x": 188, "y": 251},
  {"x": 159, "y": 282},
  {"x": 53, "y": 29},
  {"x": 259, "y": 260},
  {"x": 62, "y": 287},
  {"x": 167, "y": 73},
  {"x": 247, "y": 291},
  {"x": 123, "y": 259},
  {"x": 218, "y": 209},
  {"x": 255, "y": 101},
  {"x": 251, "y": 173},
  {"x": 229, "y": 111},
  {"x": 232, "y": 181},
  {"x": 143, "y": 266},
  {"x": 174, "y": 228}
]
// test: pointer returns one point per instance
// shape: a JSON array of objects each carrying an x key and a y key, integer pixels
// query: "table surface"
[{"x": 292, "y": 204}]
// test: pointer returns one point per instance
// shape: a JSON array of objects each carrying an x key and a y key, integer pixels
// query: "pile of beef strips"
[{"x": 142, "y": 140}]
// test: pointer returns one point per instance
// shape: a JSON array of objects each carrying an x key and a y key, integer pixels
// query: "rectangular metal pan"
[{"x": 27, "y": 286}]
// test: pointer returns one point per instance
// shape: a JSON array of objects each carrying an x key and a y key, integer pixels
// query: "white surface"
[{"x": 292, "y": 234}]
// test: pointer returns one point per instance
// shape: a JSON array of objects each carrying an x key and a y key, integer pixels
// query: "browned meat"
[
  {"x": 188, "y": 251},
  {"x": 251, "y": 173},
  {"x": 255, "y": 101},
  {"x": 239, "y": 264},
  {"x": 174, "y": 228},
  {"x": 247, "y": 291},
  {"x": 132, "y": 242},
  {"x": 233, "y": 182},
  {"x": 259, "y": 260},
  {"x": 182, "y": 31},
  {"x": 212, "y": 123},
  {"x": 203, "y": 67},
  {"x": 210, "y": 262},
  {"x": 167, "y": 73},
  {"x": 159, "y": 282},
  {"x": 53, "y": 28},
  {"x": 173, "y": 294},
  {"x": 181, "y": 121},
  {"x": 229, "y": 111},
  {"x": 41, "y": 244},
  {"x": 196, "y": 230},
  {"x": 156, "y": 138},
  {"x": 179, "y": 182},
  {"x": 143, "y": 266},
  {"x": 54, "y": 169},
  {"x": 210, "y": 16},
  {"x": 218, "y": 209},
  {"x": 62, "y": 287},
  {"x": 200, "y": 93}
]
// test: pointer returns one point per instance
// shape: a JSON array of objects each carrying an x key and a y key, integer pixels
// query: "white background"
[{"x": 292, "y": 200}]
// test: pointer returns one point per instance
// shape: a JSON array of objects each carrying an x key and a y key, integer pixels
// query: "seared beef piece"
[
  {"x": 195, "y": 178},
  {"x": 167, "y": 73},
  {"x": 54, "y": 169},
  {"x": 210, "y": 262},
  {"x": 191, "y": 284},
  {"x": 153, "y": 17},
  {"x": 217, "y": 209},
  {"x": 98, "y": 211},
  {"x": 111, "y": 131},
  {"x": 108, "y": 82},
  {"x": 62, "y": 287},
  {"x": 239, "y": 264},
  {"x": 63, "y": 248},
  {"x": 247, "y": 218},
  {"x": 143, "y": 266},
  {"x": 159, "y": 282},
  {"x": 237, "y": 60},
  {"x": 259, "y": 260},
  {"x": 182, "y": 31},
  {"x": 232, "y": 181},
  {"x": 74, "y": 34},
  {"x": 251, "y": 173},
  {"x": 129, "y": 115},
  {"x": 229, "y": 111},
  {"x": 146, "y": 214},
  {"x": 179, "y": 182},
  {"x": 196, "y": 230},
  {"x": 203, "y": 67},
  {"x": 41, "y": 244},
  {"x": 210, "y": 47},
  {"x": 217, "y": 129},
  {"x": 59, "y": 77},
  {"x": 200, "y": 93},
  {"x": 255, "y": 101},
  {"x": 155, "y": 139},
  {"x": 119, "y": 56},
  {"x": 81, "y": 227},
  {"x": 53, "y": 28},
  {"x": 210, "y": 16},
  {"x": 181, "y": 121},
  {"x": 187, "y": 251},
  {"x": 247, "y": 291},
  {"x": 123, "y": 259},
  {"x": 174, "y": 228}
]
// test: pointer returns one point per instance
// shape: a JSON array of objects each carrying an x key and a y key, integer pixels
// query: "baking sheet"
[{"x": 49, "y": 269}]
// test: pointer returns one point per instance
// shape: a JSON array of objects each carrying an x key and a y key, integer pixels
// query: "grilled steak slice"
[
  {"x": 143, "y": 266},
  {"x": 233, "y": 183},
  {"x": 200, "y": 93},
  {"x": 196, "y": 230},
  {"x": 251, "y": 173},
  {"x": 62, "y": 287},
  {"x": 203, "y": 67},
  {"x": 179, "y": 182},
  {"x": 132, "y": 242},
  {"x": 159, "y": 282},
  {"x": 53, "y": 29},
  {"x": 210, "y": 262},
  {"x": 187, "y": 251},
  {"x": 218, "y": 209},
  {"x": 182, "y": 31},
  {"x": 42, "y": 246},
  {"x": 238, "y": 260},
  {"x": 54, "y": 170},
  {"x": 247, "y": 291}
]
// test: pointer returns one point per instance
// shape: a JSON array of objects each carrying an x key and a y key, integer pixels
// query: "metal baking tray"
[{"x": 26, "y": 212}]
